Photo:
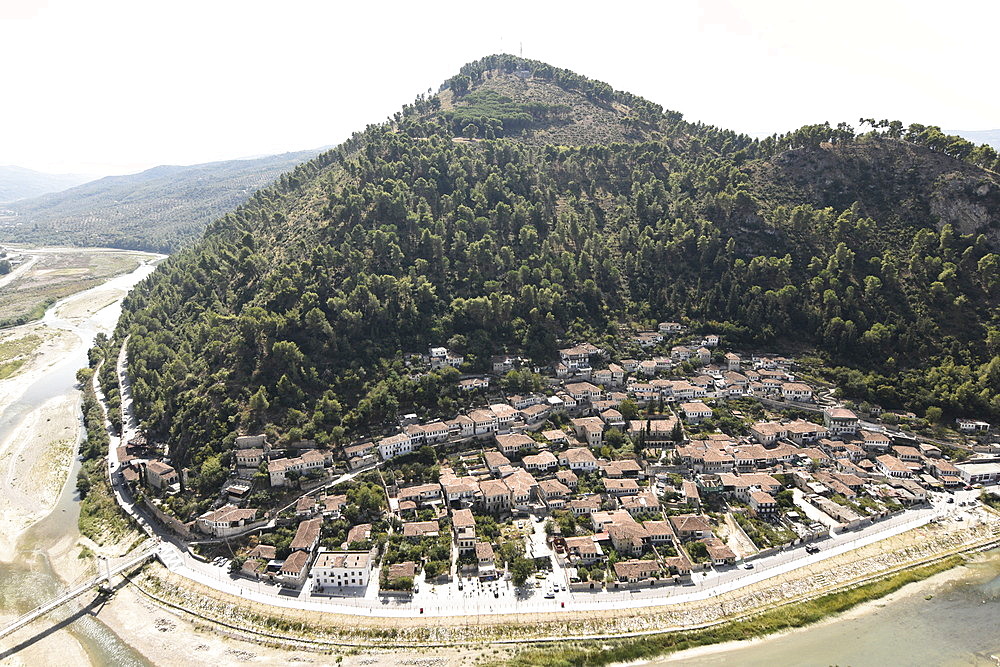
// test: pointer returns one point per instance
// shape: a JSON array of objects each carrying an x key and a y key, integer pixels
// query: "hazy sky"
[{"x": 113, "y": 86}]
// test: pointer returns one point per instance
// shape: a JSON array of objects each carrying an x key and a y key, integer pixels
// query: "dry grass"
[
  {"x": 57, "y": 275},
  {"x": 15, "y": 351}
]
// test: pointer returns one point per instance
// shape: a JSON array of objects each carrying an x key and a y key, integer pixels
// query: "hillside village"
[{"x": 621, "y": 473}]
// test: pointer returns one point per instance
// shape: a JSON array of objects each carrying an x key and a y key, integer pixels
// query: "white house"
[
  {"x": 514, "y": 442},
  {"x": 505, "y": 415},
  {"x": 695, "y": 412},
  {"x": 890, "y": 466},
  {"x": 732, "y": 361},
  {"x": 464, "y": 524},
  {"x": 461, "y": 426},
  {"x": 801, "y": 431},
  {"x": 249, "y": 458},
  {"x": 341, "y": 569},
  {"x": 591, "y": 429},
  {"x": 225, "y": 521},
  {"x": 584, "y": 391},
  {"x": 575, "y": 358},
  {"x": 541, "y": 461},
  {"x": 473, "y": 384},
  {"x": 441, "y": 357},
  {"x": 400, "y": 444},
  {"x": 484, "y": 422},
  {"x": 767, "y": 433},
  {"x": 278, "y": 469},
  {"x": 840, "y": 421},
  {"x": 972, "y": 426},
  {"x": 796, "y": 391},
  {"x": 578, "y": 458},
  {"x": 763, "y": 504}
]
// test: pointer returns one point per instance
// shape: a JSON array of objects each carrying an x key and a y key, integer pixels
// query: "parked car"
[{"x": 747, "y": 566}]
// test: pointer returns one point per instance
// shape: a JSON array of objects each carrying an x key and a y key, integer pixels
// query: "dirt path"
[{"x": 738, "y": 541}]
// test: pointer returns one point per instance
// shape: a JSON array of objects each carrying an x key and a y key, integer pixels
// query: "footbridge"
[{"x": 129, "y": 562}]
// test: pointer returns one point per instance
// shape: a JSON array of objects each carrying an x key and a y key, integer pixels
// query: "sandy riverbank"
[
  {"x": 37, "y": 454},
  {"x": 41, "y": 429},
  {"x": 86, "y": 305},
  {"x": 34, "y": 463},
  {"x": 55, "y": 345},
  {"x": 161, "y": 632}
]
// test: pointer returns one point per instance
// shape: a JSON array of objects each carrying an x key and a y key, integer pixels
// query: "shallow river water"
[{"x": 958, "y": 625}]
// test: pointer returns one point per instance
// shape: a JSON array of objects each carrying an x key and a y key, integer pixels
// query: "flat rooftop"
[{"x": 983, "y": 468}]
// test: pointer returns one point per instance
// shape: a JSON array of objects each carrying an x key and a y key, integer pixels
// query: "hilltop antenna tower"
[{"x": 521, "y": 44}]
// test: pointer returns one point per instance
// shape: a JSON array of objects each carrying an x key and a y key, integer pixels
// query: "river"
[
  {"x": 955, "y": 622},
  {"x": 32, "y": 576}
]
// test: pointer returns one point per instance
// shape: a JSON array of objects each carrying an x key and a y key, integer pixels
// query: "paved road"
[
  {"x": 19, "y": 271},
  {"x": 501, "y": 597}
]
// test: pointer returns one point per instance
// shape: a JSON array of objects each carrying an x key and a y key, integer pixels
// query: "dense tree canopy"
[{"x": 295, "y": 310}]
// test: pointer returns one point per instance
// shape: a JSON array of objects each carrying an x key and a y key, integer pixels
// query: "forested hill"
[
  {"x": 458, "y": 223},
  {"x": 159, "y": 209}
]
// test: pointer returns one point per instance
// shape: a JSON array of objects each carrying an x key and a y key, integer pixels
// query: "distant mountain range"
[
  {"x": 991, "y": 137},
  {"x": 20, "y": 183},
  {"x": 159, "y": 209}
]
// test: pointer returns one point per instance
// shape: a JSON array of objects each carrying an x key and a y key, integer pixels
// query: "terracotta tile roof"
[{"x": 307, "y": 534}]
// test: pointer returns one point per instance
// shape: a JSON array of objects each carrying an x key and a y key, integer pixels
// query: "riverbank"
[
  {"x": 52, "y": 274},
  {"x": 35, "y": 459},
  {"x": 41, "y": 550},
  {"x": 40, "y": 426}
]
